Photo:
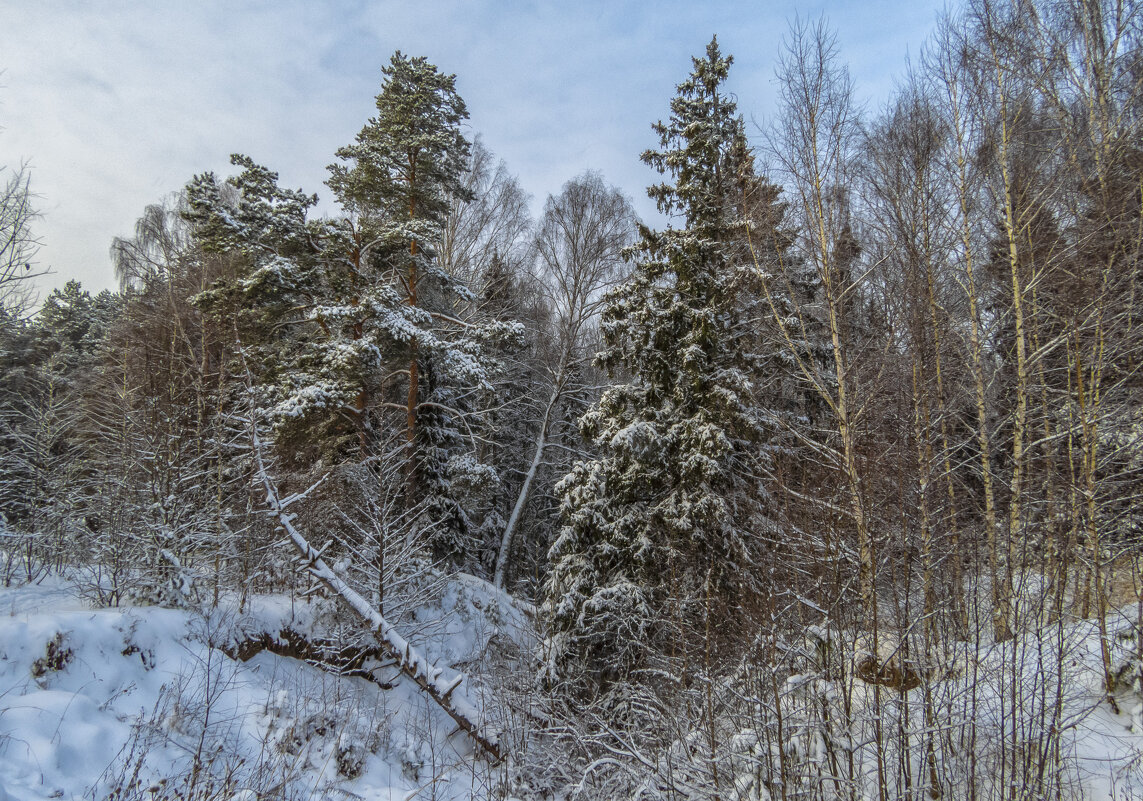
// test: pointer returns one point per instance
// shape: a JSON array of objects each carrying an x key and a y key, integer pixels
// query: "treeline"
[
  {"x": 812, "y": 486},
  {"x": 430, "y": 345}
]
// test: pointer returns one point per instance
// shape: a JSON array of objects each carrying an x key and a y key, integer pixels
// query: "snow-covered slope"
[{"x": 145, "y": 703}]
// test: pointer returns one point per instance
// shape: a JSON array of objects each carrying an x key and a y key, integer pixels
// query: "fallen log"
[
  {"x": 325, "y": 654},
  {"x": 406, "y": 657}
]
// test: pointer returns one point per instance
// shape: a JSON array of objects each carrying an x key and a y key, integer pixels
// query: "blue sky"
[{"x": 117, "y": 104}]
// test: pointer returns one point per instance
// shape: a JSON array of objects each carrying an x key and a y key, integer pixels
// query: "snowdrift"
[{"x": 153, "y": 703}]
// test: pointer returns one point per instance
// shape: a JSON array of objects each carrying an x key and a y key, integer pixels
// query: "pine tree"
[
  {"x": 661, "y": 521},
  {"x": 406, "y": 163},
  {"x": 356, "y": 331},
  {"x": 268, "y": 271},
  {"x": 405, "y": 168}
]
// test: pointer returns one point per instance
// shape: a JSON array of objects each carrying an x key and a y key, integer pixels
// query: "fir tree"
[{"x": 661, "y": 521}]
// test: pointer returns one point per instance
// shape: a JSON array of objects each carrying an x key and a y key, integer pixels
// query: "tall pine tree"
[
  {"x": 417, "y": 322},
  {"x": 405, "y": 165},
  {"x": 364, "y": 333}
]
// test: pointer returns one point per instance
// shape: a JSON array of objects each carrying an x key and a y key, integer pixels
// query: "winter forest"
[{"x": 828, "y": 488}]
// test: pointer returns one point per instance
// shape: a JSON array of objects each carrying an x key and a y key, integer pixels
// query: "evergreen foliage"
[{"x": 658, "y": 523}]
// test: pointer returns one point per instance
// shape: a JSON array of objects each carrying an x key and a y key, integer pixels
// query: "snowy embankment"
[{"x": 146, "y": 703}]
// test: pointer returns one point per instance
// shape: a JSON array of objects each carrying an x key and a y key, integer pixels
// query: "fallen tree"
[
  {"x": 323, "y": 653},
  {"x": 411, "y": 662}
]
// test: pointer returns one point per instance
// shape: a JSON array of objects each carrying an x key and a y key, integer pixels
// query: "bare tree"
[
  {"x": 18, "y": 245},
  {"x": 492, "y": 221},
  {"x": 812, "y": 146},
  {"x": 579, "y": 248}
]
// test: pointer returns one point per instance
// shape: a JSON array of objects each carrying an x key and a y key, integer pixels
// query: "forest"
[{"x": 826, "y": 489}]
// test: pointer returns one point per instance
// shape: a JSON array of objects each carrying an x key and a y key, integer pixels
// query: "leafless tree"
[
  {"x": 18, "y": 244},
  {"x": 579, "y": 255},
  {"x": 812, "y": 144},
  {"x": 492, "y": 224}
]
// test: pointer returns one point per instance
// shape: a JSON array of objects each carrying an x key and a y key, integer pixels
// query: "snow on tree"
[
  {"x": 363, "y": 341},
  {"x": 661, "y": 521},
  {"x": 406, "y": 311},
  {"x": 45, "y": 363}
]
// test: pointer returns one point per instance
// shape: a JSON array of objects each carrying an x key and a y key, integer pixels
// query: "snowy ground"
[
  {"x": 143, "y": 703},
  {"x": 98, "y": 703}
]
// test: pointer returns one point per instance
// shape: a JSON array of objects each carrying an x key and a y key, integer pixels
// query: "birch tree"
[
  {"x": 579, "y": 248},
  {"x": 18, "y": 243},
  {"x": 813, "y": 142}
]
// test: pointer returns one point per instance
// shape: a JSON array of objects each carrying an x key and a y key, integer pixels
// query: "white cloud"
[{"x": 117, "y": 104}]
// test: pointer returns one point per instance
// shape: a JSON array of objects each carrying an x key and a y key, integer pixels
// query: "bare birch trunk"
[{"x": 529, "y": 477}]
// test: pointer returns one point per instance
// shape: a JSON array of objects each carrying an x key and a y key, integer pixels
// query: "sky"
[{"x": 115, "y": 105}]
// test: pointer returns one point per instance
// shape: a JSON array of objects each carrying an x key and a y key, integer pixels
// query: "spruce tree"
[{"x": 659, "y": 524}]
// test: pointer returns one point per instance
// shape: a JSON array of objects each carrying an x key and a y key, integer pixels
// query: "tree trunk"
[{"x": 529, "y": 477}]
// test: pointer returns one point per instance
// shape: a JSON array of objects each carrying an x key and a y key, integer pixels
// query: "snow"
[{"x": 87, "y": 694}]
